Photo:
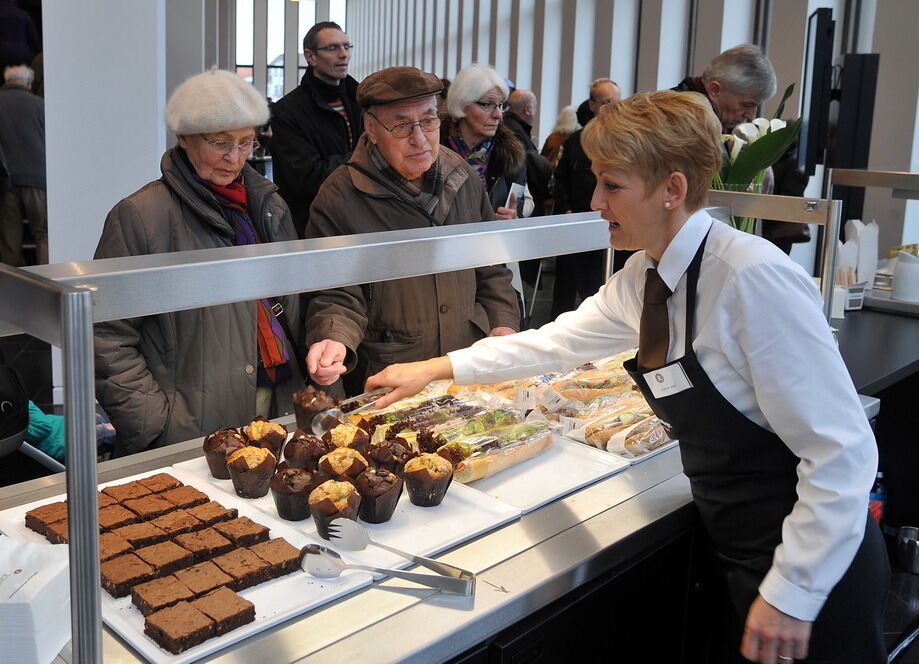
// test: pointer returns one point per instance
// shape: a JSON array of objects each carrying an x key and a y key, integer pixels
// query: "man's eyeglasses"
[
  {"x": 405, "y": 129},
  {"x": 489, "y": 106},
  {"x": 334, "y": 48},
  {"x": 227, "y": 147}
]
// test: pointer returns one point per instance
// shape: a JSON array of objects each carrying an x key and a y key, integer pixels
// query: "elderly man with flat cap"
[{"x": 399, "y": 176}]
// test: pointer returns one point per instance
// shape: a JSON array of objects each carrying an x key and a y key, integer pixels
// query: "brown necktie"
[{"x": 654, "y": 333}]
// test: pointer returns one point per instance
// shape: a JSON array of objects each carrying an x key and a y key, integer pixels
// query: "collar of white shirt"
[{"x": 682, "y": 248}]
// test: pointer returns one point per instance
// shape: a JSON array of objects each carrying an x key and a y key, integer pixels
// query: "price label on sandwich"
[
  {"x": 525, "y": 398},
  {"x": 569, "y": 424},
  {"x": 552, "y": 399}
]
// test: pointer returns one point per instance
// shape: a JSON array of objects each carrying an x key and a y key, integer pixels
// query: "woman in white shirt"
[{"x": 745, "y": 370}]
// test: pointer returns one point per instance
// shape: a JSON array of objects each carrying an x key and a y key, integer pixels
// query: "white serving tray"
[
  {"x": 644, "y": 457},
  {"x": 275, "y": 601},
  {"x": 464, "y": 513},
  {"x": 564, "y": 467}
]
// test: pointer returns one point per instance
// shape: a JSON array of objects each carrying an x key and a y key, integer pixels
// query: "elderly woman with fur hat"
[{"x": 167, "y": 378}]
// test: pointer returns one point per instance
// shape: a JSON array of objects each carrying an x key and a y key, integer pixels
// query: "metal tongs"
[
  {"x": 331, "y": 417},
  {"x": 323, "y": 562}
]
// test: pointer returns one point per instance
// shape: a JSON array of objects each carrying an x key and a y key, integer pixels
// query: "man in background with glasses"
[
  {"x": 399, "y": 177},
  {"x": 315, "y": 126}
]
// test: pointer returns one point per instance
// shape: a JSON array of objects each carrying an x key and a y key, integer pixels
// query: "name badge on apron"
[{"x": 667, "y": 381}]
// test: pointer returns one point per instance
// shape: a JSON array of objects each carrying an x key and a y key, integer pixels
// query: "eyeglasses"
[
  {"x": 334, "y": 48},
  {"x": 489, "y": 106},
  {"x": 405, "y": 129},
  {"x": 226, "y": 147}
]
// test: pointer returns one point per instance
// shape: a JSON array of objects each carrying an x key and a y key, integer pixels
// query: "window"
[
  {"x": 244, "y": 54},
  {"x": 274, "y": 57}
]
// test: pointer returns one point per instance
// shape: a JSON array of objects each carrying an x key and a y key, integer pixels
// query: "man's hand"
[
  {"x": 408, "y": 379},
  {"x": 509, "y": 212},
  {"x": 501, "y": 331},
  {"x": 773, "y": 637},
  {"x": 325, "y": 361}
]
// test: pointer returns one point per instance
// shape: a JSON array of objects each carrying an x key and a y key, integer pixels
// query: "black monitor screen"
[{"x": 816, "y": 89}]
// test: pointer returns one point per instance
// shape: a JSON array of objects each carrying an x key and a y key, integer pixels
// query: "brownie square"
[
  {"x": 282, "y": 556},
  {"x": 41, "y": 517},
  {"x": 203, "y": 577},
  {"x": 227, "y": 609},
  {"x": 178, "y": 628},
  {"x": 160, "y": 482},
  {"x": 154, "y": 595},
  {"x": 115, "y": 516},
  {"x": 246, "y": 568},
  {"x": 112, "y": 545},
  {"x": 204, "y": 544},
  {"x": 149, "y": 507},
  {"x": 242, "y": 531},
  {"x": 141, "y": 534},
  {"x": 57, "y": 533},
  {"x": 165, "y": 557},
  {"x": 177, "y": 522},
  {"x": 121, "y": 573},
  {"x": 185, "y": 496},
  {"x": 122, "y": 492},
  {"x": 105, "y": 500},
  {"x": 212, "y": 512}
]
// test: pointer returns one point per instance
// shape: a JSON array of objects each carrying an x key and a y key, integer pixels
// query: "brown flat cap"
[{"x": 393, "y": 84}]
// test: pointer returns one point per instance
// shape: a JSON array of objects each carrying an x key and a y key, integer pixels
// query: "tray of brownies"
[{"x": 186, "y": 573}]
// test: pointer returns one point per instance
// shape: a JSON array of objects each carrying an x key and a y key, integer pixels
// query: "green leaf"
[
  {"x": 763, "y": 153},
  {"x": 781, "y": 108}
]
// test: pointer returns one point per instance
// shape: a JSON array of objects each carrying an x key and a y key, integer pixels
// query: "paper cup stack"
[{"x": 34, "y": 601}]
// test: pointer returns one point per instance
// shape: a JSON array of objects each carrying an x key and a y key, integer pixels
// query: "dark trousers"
[{"x": 16, "y": 205}]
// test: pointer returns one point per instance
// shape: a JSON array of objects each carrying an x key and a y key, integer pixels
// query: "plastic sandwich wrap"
[{"x": 479, "y": 456}]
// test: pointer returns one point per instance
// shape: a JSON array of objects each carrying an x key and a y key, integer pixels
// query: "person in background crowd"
[
  {"x": 736, "y": 83},
  {"x": 779, "y": 454},
  {"x": 521, "y": 115},
  {"x": 565, "y": 125},
  {"x": 578, "y": 276},
  {"x": 400, "y": 177},
  {"x": 170, "y": 377},
  {"x": 38, "y": 66},
  {"x": 22, "y": 142},
  {"x": 19, "y": 40},
  {"x": 316, "y": 125}
]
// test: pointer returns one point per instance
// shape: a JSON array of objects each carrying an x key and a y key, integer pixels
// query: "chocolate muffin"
[
  {"x": 333, "y": 500},
  {"x": 251, "y": 469},
  {"x": 263, "y": 433},
  {"x": 304, "y": 450},
  {"x": 391, "y": 454},
  {"x": 216, "y": 448},
  {"x": 343, "y": 464},
  {"x": 307, "y": 403},
  {"x": 380, "y": 491},
  {"x": 348, "y": 435},
  {"x": 291, "y": 489},
  {"x": 427, "y": 477}
]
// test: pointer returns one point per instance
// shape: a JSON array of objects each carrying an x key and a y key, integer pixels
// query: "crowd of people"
[{"x": 779, "y": 456}]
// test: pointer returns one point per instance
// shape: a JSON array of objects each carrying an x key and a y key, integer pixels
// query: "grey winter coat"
[{"x": 171, "y": 377}]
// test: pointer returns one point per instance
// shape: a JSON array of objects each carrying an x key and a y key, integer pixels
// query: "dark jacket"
[
  {"x": 539, "y": 170},
  {"x": 22, "y": 135},
  {"x": 171, "y": 377},
  {"x": 411, "y": 319},
  {"x": 310, "y": 140},
  {"x": 506, "y": 165},
  {"x": 19, "y": 40},
  {"x": 521, "y": 128},
  {"x": 574, "y": 181}
]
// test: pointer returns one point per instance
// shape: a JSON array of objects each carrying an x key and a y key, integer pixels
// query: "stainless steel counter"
[{"x": 522, "y": 567}]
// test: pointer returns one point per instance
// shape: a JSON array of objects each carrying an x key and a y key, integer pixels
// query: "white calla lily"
[
  {"x": 736, "y": 147},
  {"x": 762, "y": 124},
  {"x": 775, "y": 124},
  {"x": 747, "y": 131}
]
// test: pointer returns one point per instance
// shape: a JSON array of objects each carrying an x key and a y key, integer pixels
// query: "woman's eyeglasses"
[
  {"x": 489, "y": 106},
  {"x": 226, "y": 147},
  {"x": 405, "y": 129}
]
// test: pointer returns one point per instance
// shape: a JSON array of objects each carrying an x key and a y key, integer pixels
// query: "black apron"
[{"x": 743, "y": 480}]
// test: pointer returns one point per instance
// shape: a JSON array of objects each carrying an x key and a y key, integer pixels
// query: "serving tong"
[{"x": 331, "y": 417}]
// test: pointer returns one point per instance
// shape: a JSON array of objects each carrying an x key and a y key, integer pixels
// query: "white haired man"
[{"x": 22, "y": 142}]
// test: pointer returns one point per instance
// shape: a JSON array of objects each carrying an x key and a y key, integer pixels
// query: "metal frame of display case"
[{"x": 59, "y": 303}]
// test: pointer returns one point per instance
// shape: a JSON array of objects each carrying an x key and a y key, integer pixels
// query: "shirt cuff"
[
  {"x": 462, "y": 366},
  {"x": 789, "y": 598}
]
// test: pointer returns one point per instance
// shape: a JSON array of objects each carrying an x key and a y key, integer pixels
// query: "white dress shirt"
[{"x": 763, "y": 341}]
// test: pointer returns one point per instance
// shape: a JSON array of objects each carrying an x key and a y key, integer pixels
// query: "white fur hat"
[{"x": 214, "y": 101}]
